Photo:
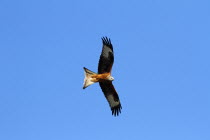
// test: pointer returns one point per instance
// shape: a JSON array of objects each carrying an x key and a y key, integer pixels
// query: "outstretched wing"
[
  {"x": 107, "y": 57},
  {"x": 111, "y": 96}
]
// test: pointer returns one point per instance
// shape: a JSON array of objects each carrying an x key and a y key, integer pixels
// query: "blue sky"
[{"x": 161, "y": 69}]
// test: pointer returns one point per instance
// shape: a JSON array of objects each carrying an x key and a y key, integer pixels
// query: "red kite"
[{"x": 104, "y": 76}]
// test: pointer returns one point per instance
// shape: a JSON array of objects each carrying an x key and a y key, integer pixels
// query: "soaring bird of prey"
[{"x": 104, "y": 76}]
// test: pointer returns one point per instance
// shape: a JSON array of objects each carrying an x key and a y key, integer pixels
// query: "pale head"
[{"x": 110, "y": 78}]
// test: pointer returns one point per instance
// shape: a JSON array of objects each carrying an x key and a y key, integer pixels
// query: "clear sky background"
[{"x": 161, "y": 69}]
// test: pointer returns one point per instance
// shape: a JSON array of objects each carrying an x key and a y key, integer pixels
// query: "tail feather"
[{"x": 87, "y": 80}]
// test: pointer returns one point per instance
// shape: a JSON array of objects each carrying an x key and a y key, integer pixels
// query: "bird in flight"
[{"x": 104, "y": 76}]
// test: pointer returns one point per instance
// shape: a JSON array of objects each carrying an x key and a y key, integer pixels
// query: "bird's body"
[
  {"x": 101, "y": 77},
  {"x": 104, "y": 76}
]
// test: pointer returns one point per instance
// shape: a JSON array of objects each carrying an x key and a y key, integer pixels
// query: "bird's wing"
[
  {"x": 111, "y": 96},
  {"x": 107, "y": 57}
]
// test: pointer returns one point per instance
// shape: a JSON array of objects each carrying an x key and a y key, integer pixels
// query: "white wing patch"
[
  {"x": 112, "y": 102},
  {"x": 106, "y": 51}
]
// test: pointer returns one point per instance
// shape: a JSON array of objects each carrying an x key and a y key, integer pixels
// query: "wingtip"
[
  {"x": 103, "y": 39},
  {"x": 106, "y": 40},
  {"x": 116, "y": 111}
]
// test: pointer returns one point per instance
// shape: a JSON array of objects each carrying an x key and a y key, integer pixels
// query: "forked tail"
[{"x": 88, "y": 80}]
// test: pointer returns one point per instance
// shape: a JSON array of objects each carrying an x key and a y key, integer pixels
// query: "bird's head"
[{"x": 110, "y": 78}]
